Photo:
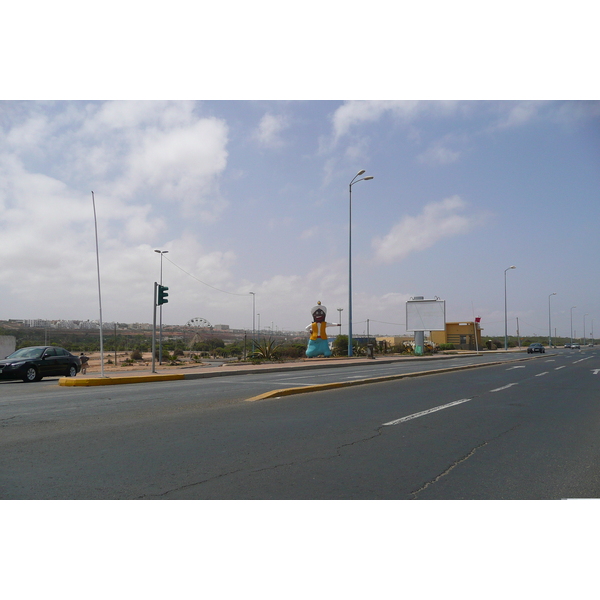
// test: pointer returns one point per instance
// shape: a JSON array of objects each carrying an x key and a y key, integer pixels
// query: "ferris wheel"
[{"x": 198, "y": 322}]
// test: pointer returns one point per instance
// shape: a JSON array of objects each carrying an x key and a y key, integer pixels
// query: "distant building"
[{"x": 461, "y": 335}]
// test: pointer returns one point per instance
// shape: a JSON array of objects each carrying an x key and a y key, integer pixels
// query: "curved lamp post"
[
  {"x": 505, "y": 311},
  {"x": 550, "y": 321},
  {"x": 354, "y": 180}
]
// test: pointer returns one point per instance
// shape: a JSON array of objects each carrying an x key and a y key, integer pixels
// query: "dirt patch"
[{"x": 123, "y": 365}]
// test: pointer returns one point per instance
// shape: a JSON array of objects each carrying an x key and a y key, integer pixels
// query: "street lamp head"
[
  {"x": 369, "y": 177},
  {"x": 513, "y": 267},
  {"x": 162, "y": 251},
  {"x": 360, "y": 172}
]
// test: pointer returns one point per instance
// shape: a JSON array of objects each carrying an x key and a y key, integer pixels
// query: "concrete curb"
[
  {"x": 343, "y": 384},
  {"x": 91, "y": 381}
]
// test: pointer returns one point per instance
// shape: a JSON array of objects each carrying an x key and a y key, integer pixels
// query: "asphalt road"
[{"x": 525, "y": 429}]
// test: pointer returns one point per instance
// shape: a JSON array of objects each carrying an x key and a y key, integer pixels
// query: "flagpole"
[{"x": 99, "y": 293}]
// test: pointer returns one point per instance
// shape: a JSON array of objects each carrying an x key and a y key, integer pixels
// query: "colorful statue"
[{"x": 317, "y": 344}]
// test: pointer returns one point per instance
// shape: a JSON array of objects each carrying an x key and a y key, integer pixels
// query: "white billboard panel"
[{"x": 425, "y": 315}]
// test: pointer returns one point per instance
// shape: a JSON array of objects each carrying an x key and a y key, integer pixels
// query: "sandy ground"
[{"x": 109, "y": 362}]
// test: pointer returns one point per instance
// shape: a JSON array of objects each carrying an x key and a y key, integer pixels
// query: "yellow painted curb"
[
  {"x": 342, "y": 384},
  {"x": 89, "y": 381}
]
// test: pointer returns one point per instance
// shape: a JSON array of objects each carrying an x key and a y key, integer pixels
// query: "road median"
[
  {"x": 92, "y": 381},
  {"x": 343, "y": 384}
]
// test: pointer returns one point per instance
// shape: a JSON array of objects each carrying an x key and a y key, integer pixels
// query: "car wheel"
[
  {"x": 31, "y": 374},
  {"x": 72, "y": 371}
]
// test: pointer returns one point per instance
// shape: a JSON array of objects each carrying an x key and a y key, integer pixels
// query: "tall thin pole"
[
  {"x": 354, "y": 180},
  {"x": 99, "y": 292},
  {"x": 572, "y": 307},
  {"x": 161, "y": 252},
  {"x": 350, "y": 274},
  {"x": 505, "y": 310},
  {"x": 253, "y": 319},
  {"x": 160, "y": 318},
  {"x": 154, "y": 299},
  {"x": 550, "y": 321}
]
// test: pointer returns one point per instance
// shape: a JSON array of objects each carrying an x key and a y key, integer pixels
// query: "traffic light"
[{"x": 162, "y": 295}]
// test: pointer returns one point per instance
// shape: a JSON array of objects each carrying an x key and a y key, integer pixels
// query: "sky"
[
  {"x": 232, "y": 148},
  {"x": 253, "y": 196}
]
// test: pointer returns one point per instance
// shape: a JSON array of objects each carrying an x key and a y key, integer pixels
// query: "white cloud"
[
  {"x": 438, "y": 220},
  {"x": 516, "y": 114},
  {"x": 357, "y": 112},
  {"x": 180, "y": 164},
  {"x": 269, "y": 130}
]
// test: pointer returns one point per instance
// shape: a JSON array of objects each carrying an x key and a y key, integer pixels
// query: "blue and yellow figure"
[{"x": 317, "y": 344}]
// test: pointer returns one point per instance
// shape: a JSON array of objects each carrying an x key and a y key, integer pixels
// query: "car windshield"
[{"x": 27, "y": 353}]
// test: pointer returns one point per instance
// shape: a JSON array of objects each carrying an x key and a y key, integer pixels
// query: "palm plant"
[{"x": 265, "y": 349}]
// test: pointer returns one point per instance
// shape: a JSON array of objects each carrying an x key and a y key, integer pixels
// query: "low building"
[{"x": 465, "y": 335}]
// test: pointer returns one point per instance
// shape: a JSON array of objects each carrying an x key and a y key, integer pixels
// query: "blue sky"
[
  {"x": 252, "y": 196},
  {"x": 480, "y": 126}
]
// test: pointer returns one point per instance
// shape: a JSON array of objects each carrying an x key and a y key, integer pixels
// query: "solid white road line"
[{"x": 427, "y": 412}]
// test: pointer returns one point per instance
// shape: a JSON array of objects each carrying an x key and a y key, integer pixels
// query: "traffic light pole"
[{"x": 154, "y": 299}]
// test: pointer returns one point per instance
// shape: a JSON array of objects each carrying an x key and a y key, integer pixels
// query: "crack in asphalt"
[
  {"x": 337, "y": 454},
  {"x": 457, "y": 462}
]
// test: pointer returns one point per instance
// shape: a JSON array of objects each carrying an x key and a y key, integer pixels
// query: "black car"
[
  {"x": 35, "y": 362},
  {"x": 535, "y": 348}
]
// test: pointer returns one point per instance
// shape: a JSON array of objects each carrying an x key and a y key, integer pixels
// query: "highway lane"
[
  {"x": 525, "y": 429},
  {"x": 47, "y": 402}
]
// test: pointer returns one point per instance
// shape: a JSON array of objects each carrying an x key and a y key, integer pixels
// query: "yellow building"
[{"x": 461, "y": 335}]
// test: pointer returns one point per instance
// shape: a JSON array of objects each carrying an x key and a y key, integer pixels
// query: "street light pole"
[
  {"x": 549, "y": 321},
  {"x": 572, "y": 307},
  {"x": 584, "y": 336},
  {"x": 253, "y": 317},
  {"x": 505, "y": 310},
  {"x": 161, "y": 252},
  {"x": 354, "y": 180}
]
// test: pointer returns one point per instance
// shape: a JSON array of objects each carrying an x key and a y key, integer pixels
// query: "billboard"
[{"x": 425, "y": 315}]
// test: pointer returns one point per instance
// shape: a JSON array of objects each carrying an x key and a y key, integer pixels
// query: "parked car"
[
  {"x": 536, "y": 348},
  {"x": 34, "y": 362}
]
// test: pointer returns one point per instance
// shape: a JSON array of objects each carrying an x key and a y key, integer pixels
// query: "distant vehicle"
[
  {"x": 567, "y": 345},
  {"x": 575, "y": 346},
  {"x": 34, "y": 362},
  {"x": 535, "y": 348}
]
